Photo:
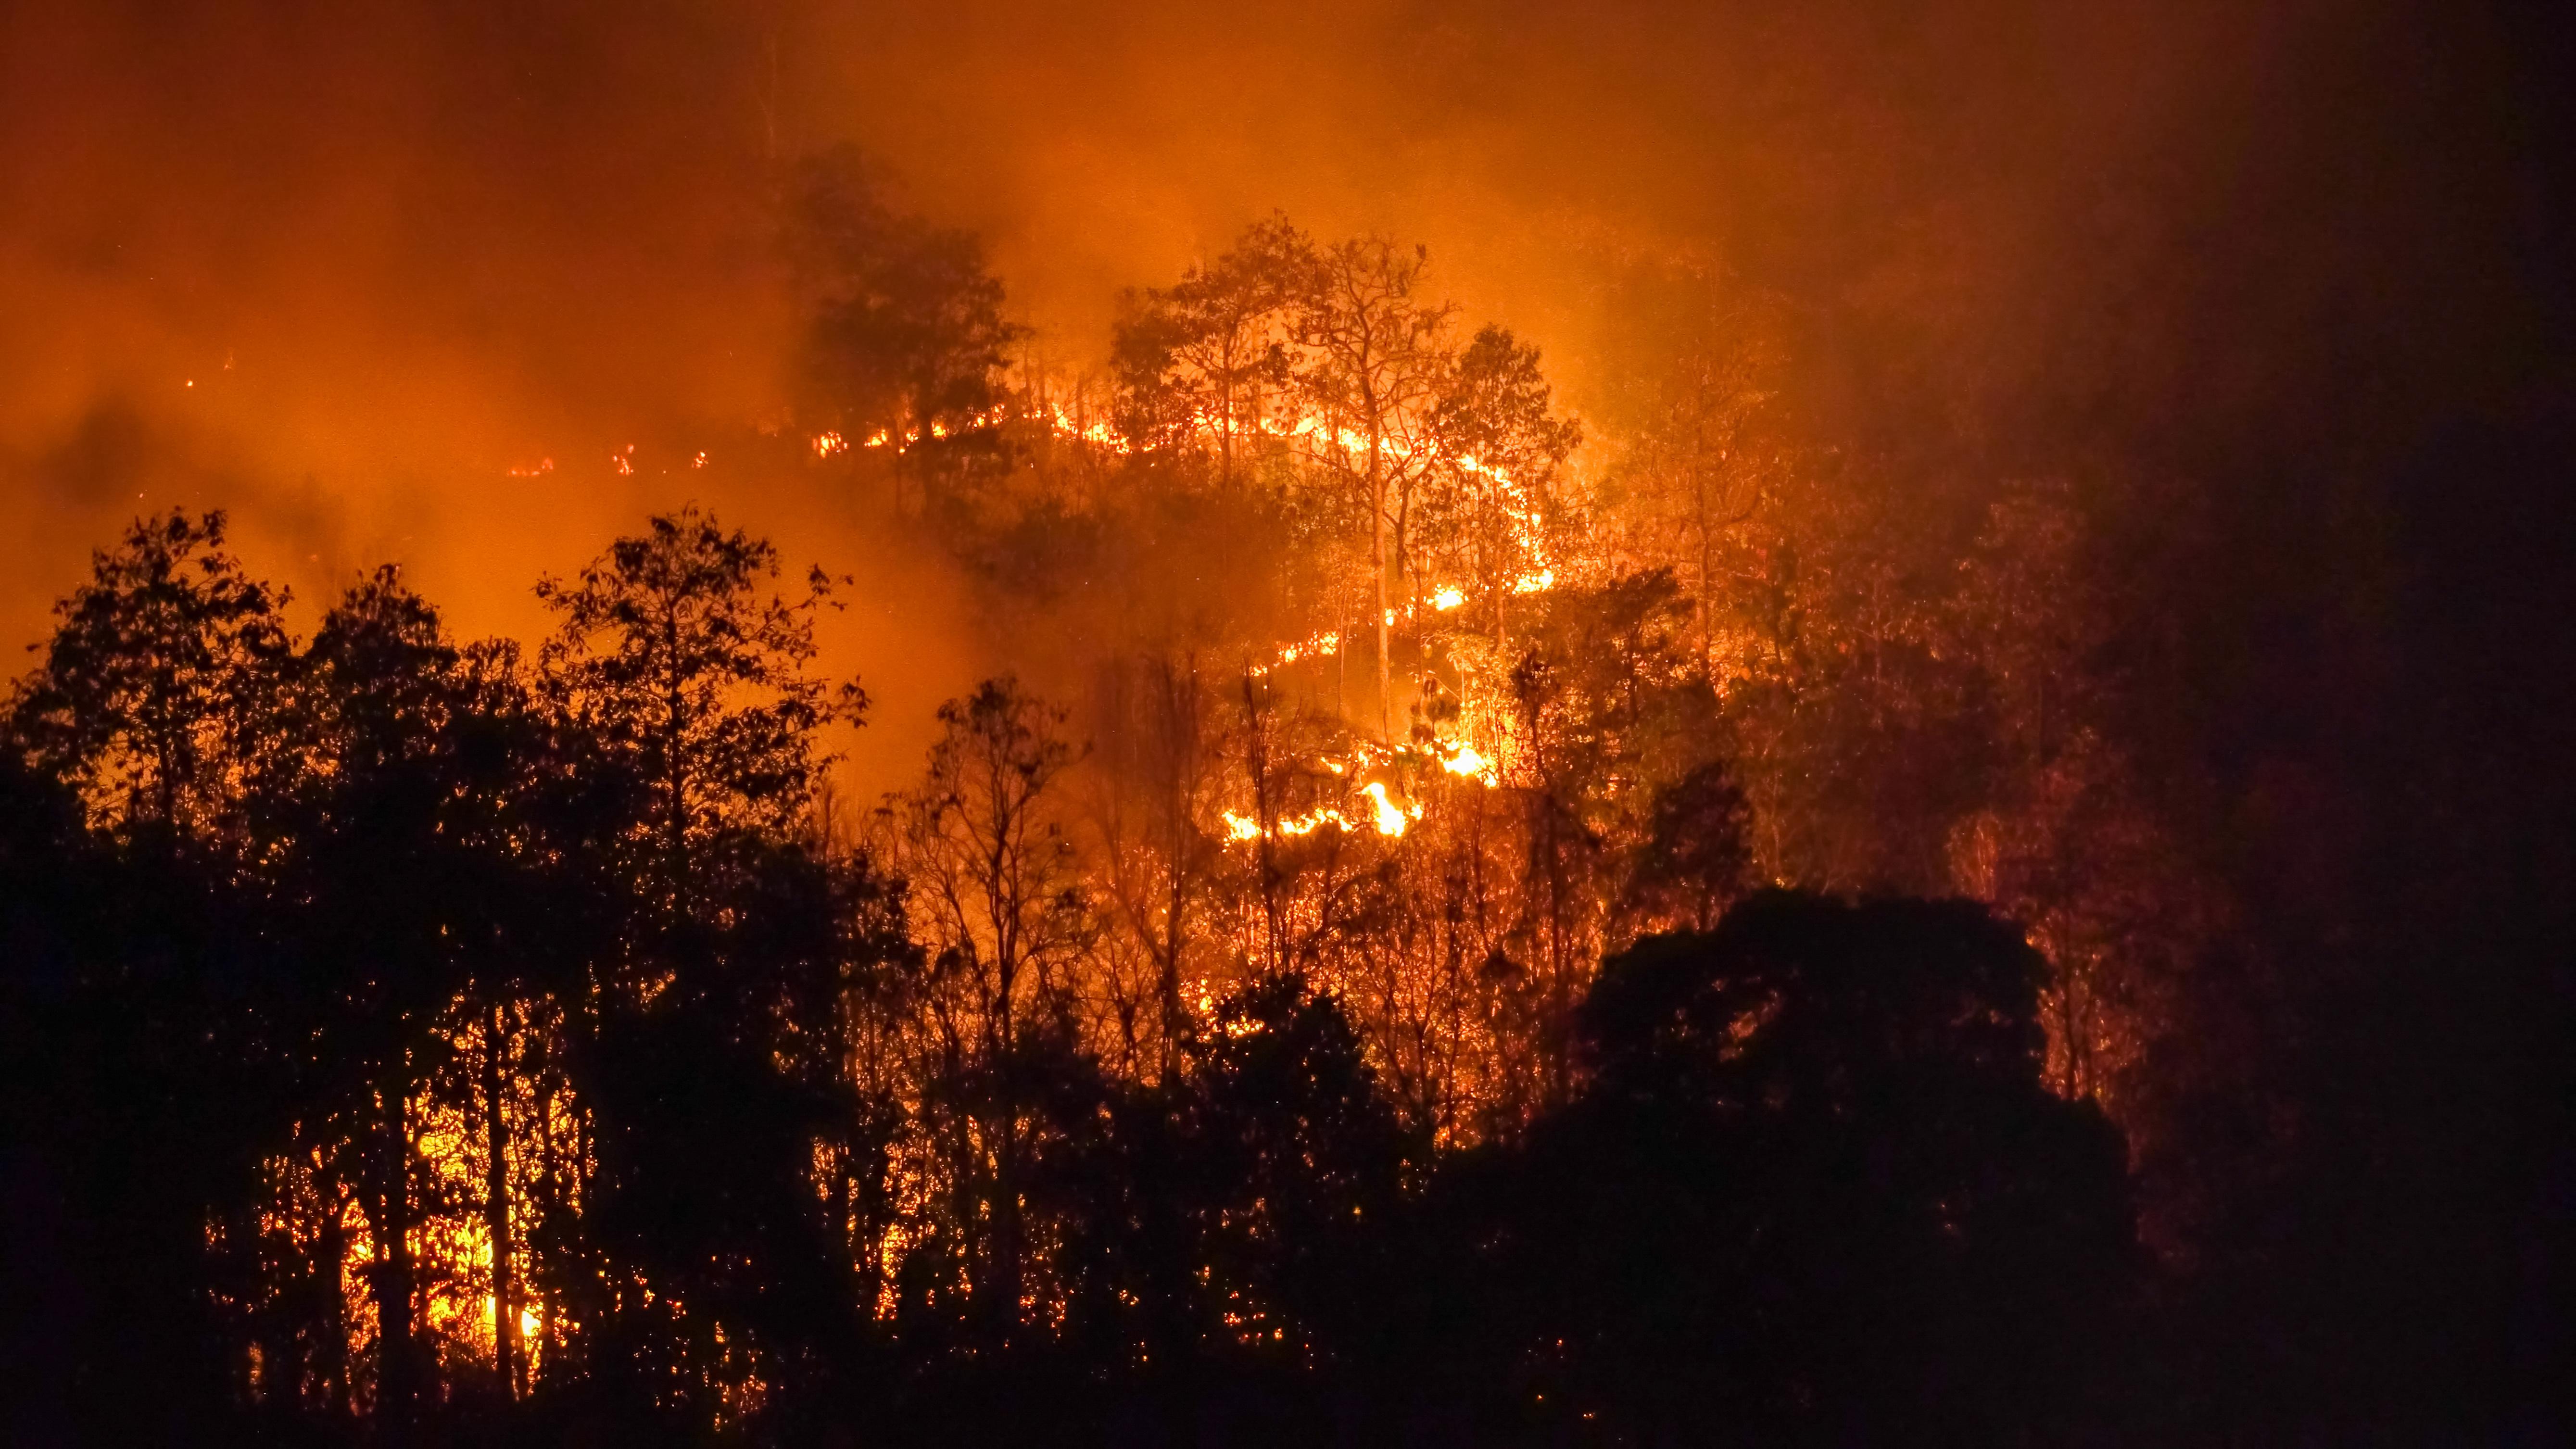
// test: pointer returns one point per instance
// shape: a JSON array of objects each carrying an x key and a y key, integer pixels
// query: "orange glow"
[
  {"x": 1470, "y": 762},
  {"x": 1384, "y": 816},
  {"x": 529, "y": 1323},
  {"x": 1319, "y": 646},
  {"x": 1390, "y": 820}
]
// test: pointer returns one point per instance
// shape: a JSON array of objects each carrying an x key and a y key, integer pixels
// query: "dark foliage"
[{"x": 1806, "y": 1188}]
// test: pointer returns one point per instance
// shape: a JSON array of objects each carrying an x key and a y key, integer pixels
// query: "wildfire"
[
  {"x": 1326, "y": 644},
  {"x": 1403, "y": 452},
  {"x": 1067, "y": 424},
  {"x": 1458, "y": 758},
  {"x": 1390, "y": 820},
  {"x": 1316, "y": 646},
  {"x": 1314, "y": 430},
  {"x": 827, "y": 444},
  {"x": 1472, "y": 763},
  {"x": 1244, "y": 827},
  {"x": 1384, "y": 816},
  {"x": 1099, "y": 434},
  {"x": 529, "y": 1323}
]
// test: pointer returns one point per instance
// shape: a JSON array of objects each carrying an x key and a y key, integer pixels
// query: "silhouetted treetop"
[
  {"x": 155, "y": 682},
  {"x": 1793, "y": 994},
  {"x": 906, "y": 328},
  {"x": 693, "y": 679}
]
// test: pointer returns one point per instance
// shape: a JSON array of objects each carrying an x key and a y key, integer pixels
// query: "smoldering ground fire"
[{"x": 1652, "y": 724}]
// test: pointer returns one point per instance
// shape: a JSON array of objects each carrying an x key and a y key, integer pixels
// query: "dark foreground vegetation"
[
  {"x": 372, "y": 940},
  {"x": 336, "y": 962}
]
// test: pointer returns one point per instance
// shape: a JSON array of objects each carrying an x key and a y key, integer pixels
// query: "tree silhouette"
[
  {"x": 151, "y": 707},
  {"x": 906, "y": 338},
  {"x": 994, "y": 892},
  {"x": 389, "y": 905},
  {"x": 1500, "y": 446},
  {"x": 1208, "y": 354},
  {"x": 693, "y": 682},
  {"x": 1374, "y": 365},
  {"x": 1813, "y": 1190},
  {"x": 151, "y": 690},
  {"x": 1693, "y": 860}
]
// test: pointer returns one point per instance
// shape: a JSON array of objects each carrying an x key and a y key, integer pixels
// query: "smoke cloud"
[{"x": 472, "y": 286}]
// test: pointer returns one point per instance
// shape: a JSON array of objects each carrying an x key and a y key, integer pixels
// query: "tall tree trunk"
[
  {"x": 1265, "y": 814},
  {"x": 1377, "y": 574},
  {"x": 1225, "y": 419},
  {"x": 1707, "y": 566},
  {"x": 496, "y": 1201},
  {"x": 1181, "y": 729},
  {"x": 1004, "y": 1299},
  {"x": 549, "y": 1188},
  {"x": 676, "y": 725},
  {"x": 333, "y": 1249},
  {"x": 397, "y": 1355}
]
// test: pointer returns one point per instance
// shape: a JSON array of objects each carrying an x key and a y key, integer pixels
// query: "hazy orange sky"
[{"x": 341, "y": 269}]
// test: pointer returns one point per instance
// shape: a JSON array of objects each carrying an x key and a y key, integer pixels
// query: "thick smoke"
[{"x": 343, "y": 270}]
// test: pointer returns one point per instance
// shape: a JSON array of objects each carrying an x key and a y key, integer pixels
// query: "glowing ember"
[
  {"x": 1350, "y": 443},
  {"x": 1385, "y": 816},
  {"x": 1390, "y": 820},
  {"x": 1320, "y": 646},
  {"x": 529, "y": 1323},
  {"x": 1472, "y": 763}
]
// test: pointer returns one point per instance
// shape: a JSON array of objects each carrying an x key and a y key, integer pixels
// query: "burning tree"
[
  {"x": 1499, "y": 447},
  {"x": 1372, "y": 369},
  {"x": 1208, "y": 359},
  {"x": 905, "y": 339}
]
